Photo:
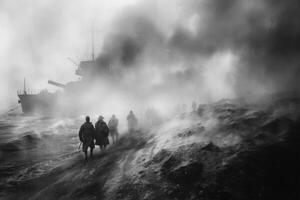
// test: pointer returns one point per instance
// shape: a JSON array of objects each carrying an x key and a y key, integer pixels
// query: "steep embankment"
[{"x": 226, "y": 150}]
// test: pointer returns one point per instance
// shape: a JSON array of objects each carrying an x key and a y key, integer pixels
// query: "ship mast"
[{"x": 93, "y": 48}]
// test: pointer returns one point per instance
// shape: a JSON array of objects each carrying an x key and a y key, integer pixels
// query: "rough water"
[
  {"x": 31, "y": 146},
  {"x": 224, "y": 150}
]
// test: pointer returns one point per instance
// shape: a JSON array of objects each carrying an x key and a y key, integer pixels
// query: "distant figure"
[
  {"x": 113, "y": 128},
  {"x": 153, "y": 117},
  {"x": 87, "y": 136},
  {"x": 194, "y": 106},
  {"x": 194, "y": 113},
  {"x": 132, "y": 122},
  {"x": 102, "y": 132}
]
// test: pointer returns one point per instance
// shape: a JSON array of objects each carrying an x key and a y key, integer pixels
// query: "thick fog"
[
  {"x": 38, "y": 37},
  {"x": 160, "y": 53}
]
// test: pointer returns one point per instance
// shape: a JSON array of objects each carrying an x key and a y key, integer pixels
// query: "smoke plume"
[{"x": 160, "y": 53}]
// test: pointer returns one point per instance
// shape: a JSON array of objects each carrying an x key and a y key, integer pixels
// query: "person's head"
[
  {"x": 87, "y": 119},
  {"x": 100, "y": 118},
  {"x": 113, "y": 116},
  {"x": 131, "y": 112}
]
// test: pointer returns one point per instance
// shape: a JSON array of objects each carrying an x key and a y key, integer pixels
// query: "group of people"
[{"x": 90, "y": 136}]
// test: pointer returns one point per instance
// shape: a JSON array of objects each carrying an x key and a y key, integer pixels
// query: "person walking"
[
  {"x": 87, "y": 136},
  {"x": 113, "y": 128},
  {"x": 102, "y": 132},
  {"x": 132, "y": 122}
]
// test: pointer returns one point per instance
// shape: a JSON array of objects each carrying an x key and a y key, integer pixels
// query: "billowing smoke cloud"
[
  {"x": 160, "y": 53},
  {"x": 265, "y": 35},
  {"x": 155, "y": 68},
  {"x": 255, "y": 45}
]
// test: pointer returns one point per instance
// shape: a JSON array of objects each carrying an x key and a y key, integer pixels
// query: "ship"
[
  {"x": 31, "y": 102},
  {"x": 45, "y": 102}
]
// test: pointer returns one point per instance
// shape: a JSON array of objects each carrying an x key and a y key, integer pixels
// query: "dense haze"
[{"x": 162, "y": 52}]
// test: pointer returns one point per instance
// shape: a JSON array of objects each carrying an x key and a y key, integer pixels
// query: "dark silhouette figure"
[
  {"x": 102, "y": 132},
  {"x": 87, "y": 136},
  {"x": 194, "y": 106},
  {"x": 132, "y": 122},
  {"x": 113, "y": 128},
  {"x": 194, "y": 113}
]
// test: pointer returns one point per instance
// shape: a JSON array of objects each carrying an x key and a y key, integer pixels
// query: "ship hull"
[{"x": 37, "y": 103}]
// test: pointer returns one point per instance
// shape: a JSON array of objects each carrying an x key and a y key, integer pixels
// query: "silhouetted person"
[
  {"x": 132, "y": 122},
  {"x": 102, "y": 132},
  {"x": 113, "y": 128},
  {"x": 194, "y": 113},
  {"x": 194, "y": 106},
  {"x": 87, "y": 136}
]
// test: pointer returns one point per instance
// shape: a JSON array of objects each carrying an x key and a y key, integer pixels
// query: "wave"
[{"x": 29, "y": 141}]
